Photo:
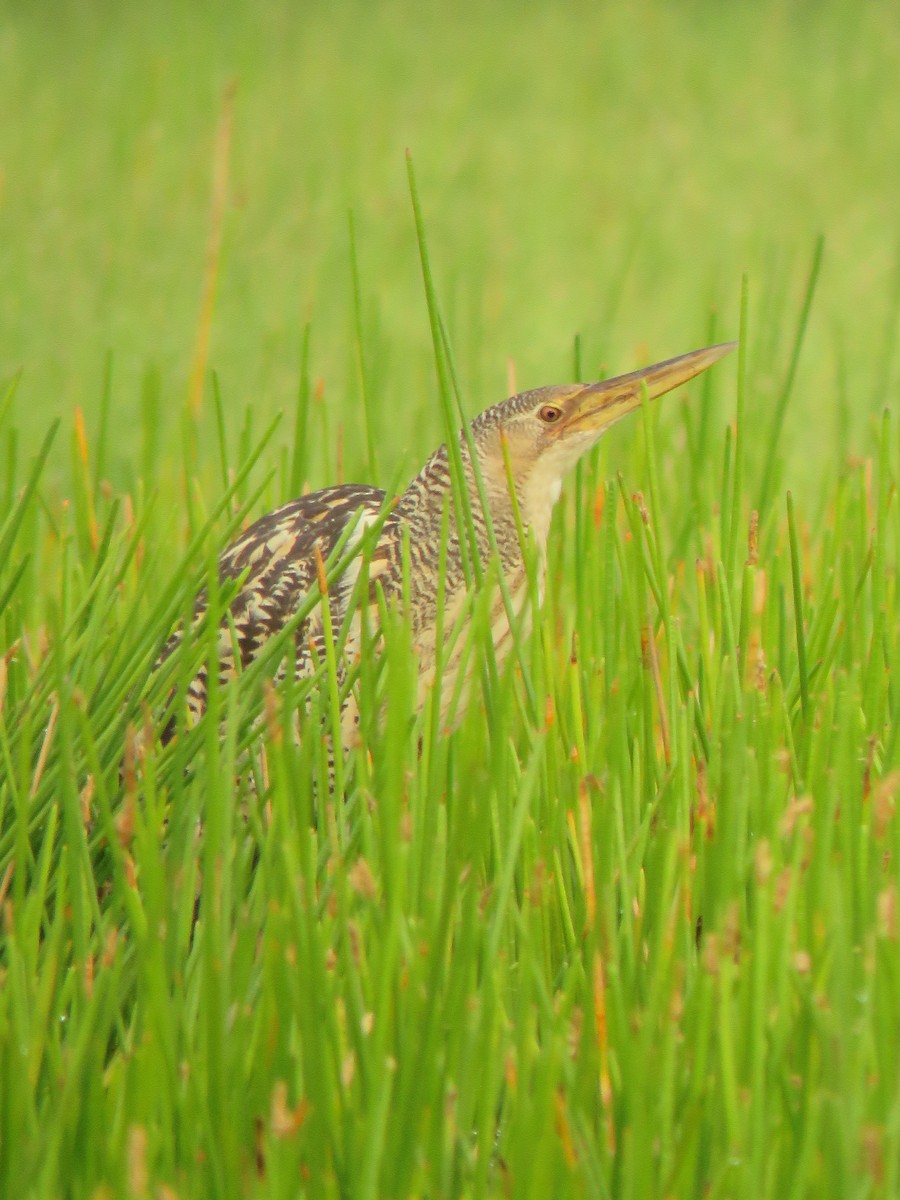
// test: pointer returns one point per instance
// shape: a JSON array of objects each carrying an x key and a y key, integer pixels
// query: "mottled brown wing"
[{"x": 276, "y": 556}]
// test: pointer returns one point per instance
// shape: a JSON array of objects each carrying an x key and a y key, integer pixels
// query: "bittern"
[{"x": 523, "y": 447}]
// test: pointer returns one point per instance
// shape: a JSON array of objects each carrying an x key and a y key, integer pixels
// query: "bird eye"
[{"x": 549, "y": 413}]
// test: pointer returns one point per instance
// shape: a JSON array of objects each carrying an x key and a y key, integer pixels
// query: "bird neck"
[
  {"x": 423, "y": 504},
  {"x": 426, "y": 514}
]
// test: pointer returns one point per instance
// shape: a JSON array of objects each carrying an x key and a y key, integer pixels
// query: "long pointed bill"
[{"x": 598, "y": 405}]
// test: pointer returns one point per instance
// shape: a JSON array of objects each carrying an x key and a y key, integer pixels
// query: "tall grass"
[
  {"x": 631, "y": 928},
  {"x": 636, "y": 938}
]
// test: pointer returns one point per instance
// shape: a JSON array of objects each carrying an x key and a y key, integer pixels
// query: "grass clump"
[{"x": 630, "y": 930}]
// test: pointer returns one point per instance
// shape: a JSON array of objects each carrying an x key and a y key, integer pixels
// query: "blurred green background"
[{"x": 606, "y": 169}]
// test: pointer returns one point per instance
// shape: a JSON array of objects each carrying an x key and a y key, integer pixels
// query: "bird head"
[{"x": 544, "y": 432}]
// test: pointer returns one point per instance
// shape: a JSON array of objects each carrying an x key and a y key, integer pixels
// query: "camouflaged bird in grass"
[{"x": 524, "y": 446}]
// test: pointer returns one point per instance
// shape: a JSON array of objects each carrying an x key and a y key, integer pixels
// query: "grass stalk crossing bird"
[{"x": 523, "y": 447}]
